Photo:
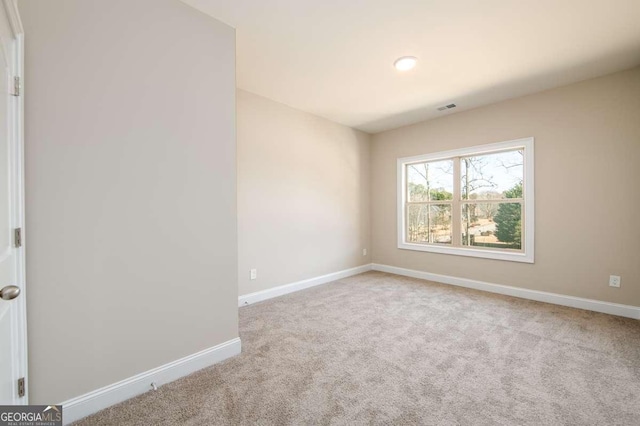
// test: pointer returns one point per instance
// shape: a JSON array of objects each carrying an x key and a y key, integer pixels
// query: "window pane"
[
  {"x": 429, "y": 223},
  {"x": 494, "y": 225},
  {"x": 430, "y": 181},
  {"x": 492, "y": 176}
]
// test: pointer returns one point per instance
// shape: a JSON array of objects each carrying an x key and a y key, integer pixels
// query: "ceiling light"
[{"x": 405, "y": 63}]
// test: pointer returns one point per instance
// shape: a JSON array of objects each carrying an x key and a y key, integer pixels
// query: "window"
[{"x": 474, "y": 201}]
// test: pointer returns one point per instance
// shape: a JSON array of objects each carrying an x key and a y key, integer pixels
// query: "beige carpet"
[{"x": 382, "y": 349}]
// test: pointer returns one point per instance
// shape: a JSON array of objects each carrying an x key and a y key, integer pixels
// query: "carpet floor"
[{"x": 381, "y": 349}]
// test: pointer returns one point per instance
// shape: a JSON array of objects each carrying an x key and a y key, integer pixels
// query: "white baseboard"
[
  {"x": 92, "y": 402},
  {"x": 540, "y": 296},
  {"x": 270, "y": 293}
]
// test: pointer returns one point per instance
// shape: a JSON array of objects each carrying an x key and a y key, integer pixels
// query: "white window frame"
[{"x": 526, "y": 254}]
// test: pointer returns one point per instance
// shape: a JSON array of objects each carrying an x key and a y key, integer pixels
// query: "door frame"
[{"x": 16, "y": 143}]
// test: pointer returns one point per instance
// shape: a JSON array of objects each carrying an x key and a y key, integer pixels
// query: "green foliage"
[
  {"x": 515, "y": 192},
  {"x": 508, "y": 218},
  {"x": 418, "y": 192},
  {"x": 439, "y": 194}
]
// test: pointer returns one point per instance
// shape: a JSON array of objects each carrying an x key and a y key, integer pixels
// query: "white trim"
[
  {"x": 472, "y": 150},
  {"x": 523, "y": 293},
  {"x": 21, "y": 270},
  {"x": 19, "y": 185},
  {"x": 259, "y": 296},
  {"x": 92, "y": 402},
  {"x": 470, "y": 252},
  {"x": 527, "y": 254},
  {"x": 15, "y": 57}
]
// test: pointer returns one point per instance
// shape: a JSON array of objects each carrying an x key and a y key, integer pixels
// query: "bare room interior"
[{"x": 286, "y": 212}]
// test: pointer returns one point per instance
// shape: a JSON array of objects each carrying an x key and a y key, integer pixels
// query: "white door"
[{"x": 12, "y": 301}]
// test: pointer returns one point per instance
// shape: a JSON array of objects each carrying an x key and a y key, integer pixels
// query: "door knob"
[{"x": 9, "y": 292}]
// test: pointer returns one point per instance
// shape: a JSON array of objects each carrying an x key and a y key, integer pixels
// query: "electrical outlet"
[
  {"x": 364, "y": 252},
  {"x": 614, "y": 281},
  {"x": 253, "y": 274}
]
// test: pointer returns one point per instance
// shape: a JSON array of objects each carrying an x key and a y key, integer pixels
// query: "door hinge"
[
  {"x": 21, "y": 387},
  {"x": 16, "y": 86},
  {"x": 17, "y": 237}
]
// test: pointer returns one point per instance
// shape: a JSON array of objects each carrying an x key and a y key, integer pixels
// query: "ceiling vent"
[{"x": 446, "y": 107}]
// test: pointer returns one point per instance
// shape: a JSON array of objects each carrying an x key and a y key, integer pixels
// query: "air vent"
[{"x": 446, "y": 107}]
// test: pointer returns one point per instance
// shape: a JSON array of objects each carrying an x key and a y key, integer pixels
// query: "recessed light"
[{"x": 405, "y": 63}]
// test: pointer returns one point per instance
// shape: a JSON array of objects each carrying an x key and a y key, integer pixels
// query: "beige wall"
[
  {"x": 131, "y": 196},
  {"x": 587, "y": 153},
  {"x": 303, "y": 194},
  {"x": 130, "y": 189}
]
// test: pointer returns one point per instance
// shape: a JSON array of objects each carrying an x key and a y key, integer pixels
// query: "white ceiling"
[{"x": 334, "y": 58}]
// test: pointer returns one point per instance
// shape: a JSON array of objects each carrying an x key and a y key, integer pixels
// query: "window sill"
[{"x": 523, "y": 257}]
